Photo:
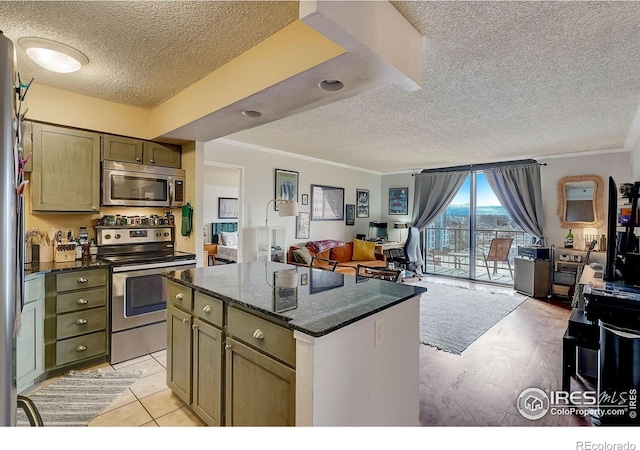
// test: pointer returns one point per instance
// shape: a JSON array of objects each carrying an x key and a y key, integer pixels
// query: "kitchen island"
[{"x": 342, "y": 349}]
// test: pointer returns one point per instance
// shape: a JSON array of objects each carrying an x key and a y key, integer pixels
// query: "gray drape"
[
  {"x": 519, "y": 190},
  {"x": 433, "y": 193}
]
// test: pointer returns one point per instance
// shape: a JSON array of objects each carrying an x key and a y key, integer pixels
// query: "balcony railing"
[{"x": 447, "y": 252}]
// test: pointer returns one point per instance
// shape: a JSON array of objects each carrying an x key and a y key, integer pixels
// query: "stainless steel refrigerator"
[{"x": 11, "y": 230}]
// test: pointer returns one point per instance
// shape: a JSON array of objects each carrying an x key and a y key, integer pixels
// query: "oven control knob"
[
  {"x": 157, "y": 234},
  {"x": 117, "y": 236},
  {"x": 166, "y": 234},
  {"x": 107, "y": 236}
]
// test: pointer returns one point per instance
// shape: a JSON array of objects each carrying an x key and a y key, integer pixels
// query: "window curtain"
[
  {"x": 432, "y": 194},
  {"x": 519, "y": 190}
]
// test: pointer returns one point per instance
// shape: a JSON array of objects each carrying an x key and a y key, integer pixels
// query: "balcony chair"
[
  {"x": 498, "y": 252},
  {"x": 381, "y": 273},
  {"x": 411, "y": 261}
]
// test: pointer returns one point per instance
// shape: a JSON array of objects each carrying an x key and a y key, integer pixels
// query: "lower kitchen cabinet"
[
  {"x": 255, "y": 365},
  {"x": 30, "y": 339},
  {"x": 260, "y": 391},
  {"x": 76, "y": 317}
]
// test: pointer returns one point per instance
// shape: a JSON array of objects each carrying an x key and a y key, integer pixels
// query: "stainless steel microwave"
[{"x": 125, "y": 184}]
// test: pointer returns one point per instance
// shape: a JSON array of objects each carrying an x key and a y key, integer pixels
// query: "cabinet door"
[
  {"x": 165, "y": 155},
  {"x": 179, "y": 353},
  {"x": 30, "y": 343},
  {"x": 259, "y": 390},
  {"x": 116, "y": 148},
  {"x": 66, "y": 170},
  {"x": 207, "y": 372}
]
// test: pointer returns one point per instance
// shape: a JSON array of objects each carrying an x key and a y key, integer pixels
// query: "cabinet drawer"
[
  {"x": 82, "y": 347},
  {"x": 34, "y": 289},
  {"x": 80, "y": 279},
  {"x": 81, "y": 300},
  {"x": 179, "y": 295},
  {"x": 262, "y": 334},
  {"x": 207, "y": 308},
  {"x": 82, "y": 322}
]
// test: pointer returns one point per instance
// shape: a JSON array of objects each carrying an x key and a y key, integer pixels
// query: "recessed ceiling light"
[
  {"x": 250, "y": 113},
  {"x": 330, "y": 85},
  {"x": 53, "y": 55}
]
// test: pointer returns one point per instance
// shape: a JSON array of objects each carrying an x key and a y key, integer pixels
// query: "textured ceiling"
[
  {"x": 502, "y": 80},
  {"x": 142, "y": 53}
]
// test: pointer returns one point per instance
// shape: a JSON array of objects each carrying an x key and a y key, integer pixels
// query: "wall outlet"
[{"x": 378, "y": 332}]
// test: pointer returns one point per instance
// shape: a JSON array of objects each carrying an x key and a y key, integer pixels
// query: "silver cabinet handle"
[
  {"x": 82, "y": 280},
  {"x": 258, "y": 334},
  {"x": 82, "y": 301},
  {"x": 81, "y": 348},
  {"x": 185, "y": 320},
  {"x": 179, "y": 297},
  {"x": 227, "y": 346},
  {"x": 95, "y": 208},
  {"x": 152, "y": 161},
  {"x": 206, "y": 309},
  {"x": 194, "y": 326},
  {"x": 82, "y": 322},
  {"x": 138, "y": 159}
]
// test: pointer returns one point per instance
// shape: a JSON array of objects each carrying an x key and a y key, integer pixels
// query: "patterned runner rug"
[
  {"x": 452, "y": 318},
  {"x": 78, "y": 397}
]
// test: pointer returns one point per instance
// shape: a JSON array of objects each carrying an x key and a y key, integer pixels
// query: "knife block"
[{"x": 64, "y": 252}]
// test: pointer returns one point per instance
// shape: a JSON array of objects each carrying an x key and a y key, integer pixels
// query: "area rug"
[
  {"x": 78, "y": 397},
  {"x": 451, "y": 317}
]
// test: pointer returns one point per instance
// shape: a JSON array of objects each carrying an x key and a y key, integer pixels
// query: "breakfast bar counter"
[{"x": 355, "y": 340}]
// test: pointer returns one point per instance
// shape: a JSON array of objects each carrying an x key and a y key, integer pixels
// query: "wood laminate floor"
[{"x": 480, "y": 387}]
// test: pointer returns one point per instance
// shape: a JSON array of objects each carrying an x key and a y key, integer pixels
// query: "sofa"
[{"x": 343, "y": 252}]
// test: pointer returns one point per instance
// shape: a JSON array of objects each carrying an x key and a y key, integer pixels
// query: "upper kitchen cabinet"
[
  {"x": 66, "y": 170},
  {"x": 123, "y": 149},
  {"x": 165, "y": 155},
  {"x": 136, "y": 151}
]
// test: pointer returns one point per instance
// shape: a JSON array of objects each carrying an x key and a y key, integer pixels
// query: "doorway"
[
  {"x": 222, "y": 208},
  {"x": 458, "y": 242}
]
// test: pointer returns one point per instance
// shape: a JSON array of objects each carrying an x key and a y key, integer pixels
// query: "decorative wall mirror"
[{"x": 580, "y": 200}]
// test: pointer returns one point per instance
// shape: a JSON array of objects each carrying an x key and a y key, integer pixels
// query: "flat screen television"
[{"x": 610, "y": 272}]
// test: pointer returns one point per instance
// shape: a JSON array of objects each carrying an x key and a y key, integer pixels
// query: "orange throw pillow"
[
  {"x": 342, "y": 254},
  {"x": 363, "y": 250}
]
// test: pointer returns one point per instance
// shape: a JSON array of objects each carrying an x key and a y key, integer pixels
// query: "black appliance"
[{"x": 533, "y": 252}]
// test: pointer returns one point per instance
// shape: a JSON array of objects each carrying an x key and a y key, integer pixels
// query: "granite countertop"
[
  {"x": 321, "y": 302},
  {"x": 48, "y": 267}
]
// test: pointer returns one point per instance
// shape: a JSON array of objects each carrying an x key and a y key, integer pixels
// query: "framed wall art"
[
  {"x": 227, "y": 208},
  {"x": 398, "y": 201},
  {"x": 327, "y": 202},
  {"x": 362, "y": 203},
  {"x": 305, "y": 199},
  {"x": 286, "y": 186},
  {"x": 351, "y": 215},
  {"x": 302, "y": 225}
]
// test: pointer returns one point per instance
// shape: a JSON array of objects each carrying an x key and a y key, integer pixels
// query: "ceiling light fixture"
[
  {"x": 52, "y": 55},
  {"x": 330, "y": 85},
  {"x": 250, "y": 113}
]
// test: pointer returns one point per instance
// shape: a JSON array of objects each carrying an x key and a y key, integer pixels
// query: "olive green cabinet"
[
  {"x": 260, "y": 391},
  {"x": 30, "y": 339},
  {"x": 137, "y": 151},
  {"x": 66, "y": 170},
  {"x": 245, "y": 376},
  {"x": 194, "y": 351},
  {"x": 76, "y": 317}
]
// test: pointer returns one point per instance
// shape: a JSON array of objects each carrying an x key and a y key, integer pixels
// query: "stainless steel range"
[{"x": 138, "y": 256}]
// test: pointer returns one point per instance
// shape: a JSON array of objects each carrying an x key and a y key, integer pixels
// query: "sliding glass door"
[{"x": 459, "y": 242}]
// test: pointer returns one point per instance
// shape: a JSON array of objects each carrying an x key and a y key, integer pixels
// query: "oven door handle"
[{"x": 169, "y": 265}]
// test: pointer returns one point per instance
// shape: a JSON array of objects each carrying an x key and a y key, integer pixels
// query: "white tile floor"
[{"x": 147, "y": 403}]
